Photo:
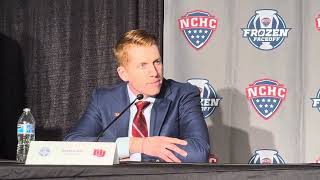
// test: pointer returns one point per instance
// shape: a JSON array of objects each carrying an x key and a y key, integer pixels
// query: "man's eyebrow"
[{"x": 158, "y": 59}]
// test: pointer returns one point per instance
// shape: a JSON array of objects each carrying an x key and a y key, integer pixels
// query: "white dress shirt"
[{"x": 123, "y": 142}]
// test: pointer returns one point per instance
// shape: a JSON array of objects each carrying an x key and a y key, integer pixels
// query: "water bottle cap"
[{"x": 26, "y": 110}]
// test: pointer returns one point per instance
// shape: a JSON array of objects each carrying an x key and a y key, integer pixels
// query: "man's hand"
[{"x": 159, "y": 146}]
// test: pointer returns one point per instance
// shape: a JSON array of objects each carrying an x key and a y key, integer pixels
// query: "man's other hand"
[{"x": 159, "y": 146}]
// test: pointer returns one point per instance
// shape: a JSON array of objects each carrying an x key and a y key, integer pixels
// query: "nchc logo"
[
  {"x": 209, "y": 97},
  {"x": 316, "y": 101},
  {"x": 197, "y": 27},
  {"x": 266, "y": 96},
  {"x": 266, "y": 30}
]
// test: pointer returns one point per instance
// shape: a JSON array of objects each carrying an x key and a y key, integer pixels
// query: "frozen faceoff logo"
[
  {"x": 318, "y": 22},
  {"x": 266, "y": 30},
  {"x": 266, "y": 156},
  {"x": 197, "y": 27},
  {"x": 209, "y": 97},
  {"x": 316, "y": 101},
  {"x": 266, "y": 96}
]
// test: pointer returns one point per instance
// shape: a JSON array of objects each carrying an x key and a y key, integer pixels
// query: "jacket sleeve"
[
  {"x": 193, "y": 127},
  {"x": 90, "y": 124}
]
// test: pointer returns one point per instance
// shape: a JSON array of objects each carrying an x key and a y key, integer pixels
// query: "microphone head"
[{"x": 140, "y": 96}]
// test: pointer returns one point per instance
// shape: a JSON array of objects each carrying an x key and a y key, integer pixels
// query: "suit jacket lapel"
[
  {"x": 159, "y": 110},
  {"x": 123, "y": 121},
  {"x": 158, "y": 113}
]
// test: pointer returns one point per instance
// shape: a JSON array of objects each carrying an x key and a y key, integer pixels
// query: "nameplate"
[{"x": 72, "y": 153}]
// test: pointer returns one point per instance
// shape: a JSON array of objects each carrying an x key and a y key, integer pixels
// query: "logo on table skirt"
[
  {"x": 99, "y": 152},
  {"x": 318, "y": 22},
  {"x": 197, "y": 27},
  {"x": 44, "y": 151},
  {"x": 266, "y": 156},
  {"x": 316, "y": 101},
  {"x": 266, "y": 30},
  {"x": 209, "y": 97},
  {"x": 266, "y": 96}
]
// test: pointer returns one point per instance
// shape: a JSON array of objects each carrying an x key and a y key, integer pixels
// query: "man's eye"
[
  {"x": 157, "y": 62},
  {"x": 141, "y": 66}
]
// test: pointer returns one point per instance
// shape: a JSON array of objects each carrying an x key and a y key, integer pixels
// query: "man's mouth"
[{"x": 155, "y": 82}]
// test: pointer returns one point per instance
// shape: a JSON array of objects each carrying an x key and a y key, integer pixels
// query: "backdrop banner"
[{"x": 255, "y": 63}]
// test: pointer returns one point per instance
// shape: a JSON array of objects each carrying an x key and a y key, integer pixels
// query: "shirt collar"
[{"x": 132, "y": 96}]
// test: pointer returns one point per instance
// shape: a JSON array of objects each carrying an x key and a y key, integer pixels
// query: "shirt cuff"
[{"x": 123, "y": 147}]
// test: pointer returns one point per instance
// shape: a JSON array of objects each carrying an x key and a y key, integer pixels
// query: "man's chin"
[{"x": 152, "y": 94}]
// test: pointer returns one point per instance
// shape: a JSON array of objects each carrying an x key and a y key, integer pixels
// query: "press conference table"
[{"x": 155, "y": 171}]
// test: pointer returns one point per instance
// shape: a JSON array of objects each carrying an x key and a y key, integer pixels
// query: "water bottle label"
[{"x": 25, "y": 129}]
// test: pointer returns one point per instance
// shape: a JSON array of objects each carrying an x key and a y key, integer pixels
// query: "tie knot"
[{"x": 142, "y": 104}]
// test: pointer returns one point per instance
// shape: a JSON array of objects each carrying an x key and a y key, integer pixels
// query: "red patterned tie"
[{"x": 139, "y": 126}]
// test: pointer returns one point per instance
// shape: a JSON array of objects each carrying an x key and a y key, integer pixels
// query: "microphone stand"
[{"x": 139, "y": 97}]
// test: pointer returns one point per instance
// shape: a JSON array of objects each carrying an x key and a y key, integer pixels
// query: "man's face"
[{"x": 143, "y": 71}]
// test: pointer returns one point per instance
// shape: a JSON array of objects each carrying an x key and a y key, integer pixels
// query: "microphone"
[{"x": 139, "y": 97}]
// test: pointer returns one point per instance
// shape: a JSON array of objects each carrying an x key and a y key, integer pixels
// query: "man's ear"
[{"x": 122, "y": 72}]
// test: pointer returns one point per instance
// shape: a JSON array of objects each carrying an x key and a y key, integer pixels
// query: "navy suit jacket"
[{"x": 176, "y": 112}]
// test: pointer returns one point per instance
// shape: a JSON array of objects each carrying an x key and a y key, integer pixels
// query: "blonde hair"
[{"x": 136, "y": 37}]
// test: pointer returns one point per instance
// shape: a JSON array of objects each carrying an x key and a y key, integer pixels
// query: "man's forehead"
[{"x": 143, "y": 53}]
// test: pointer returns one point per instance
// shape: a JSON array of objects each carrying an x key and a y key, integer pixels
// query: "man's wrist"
[{"x": 136, "y": 145}]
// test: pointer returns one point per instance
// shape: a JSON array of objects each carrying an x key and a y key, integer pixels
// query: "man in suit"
[{"x": 166, "y": 125}]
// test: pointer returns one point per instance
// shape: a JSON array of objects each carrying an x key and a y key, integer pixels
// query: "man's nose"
[{"x": 153, "y": 71}]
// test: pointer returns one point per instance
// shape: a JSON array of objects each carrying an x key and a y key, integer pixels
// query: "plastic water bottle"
[{"x": 25, "y": 134}]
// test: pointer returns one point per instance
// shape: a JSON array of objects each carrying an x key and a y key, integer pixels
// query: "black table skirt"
[{"x": 141, "y": 171}]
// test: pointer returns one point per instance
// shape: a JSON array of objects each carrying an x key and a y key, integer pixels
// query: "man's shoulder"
[
  {"x": 180, "y": 87},
  {"x": 111, "y": 91}
]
